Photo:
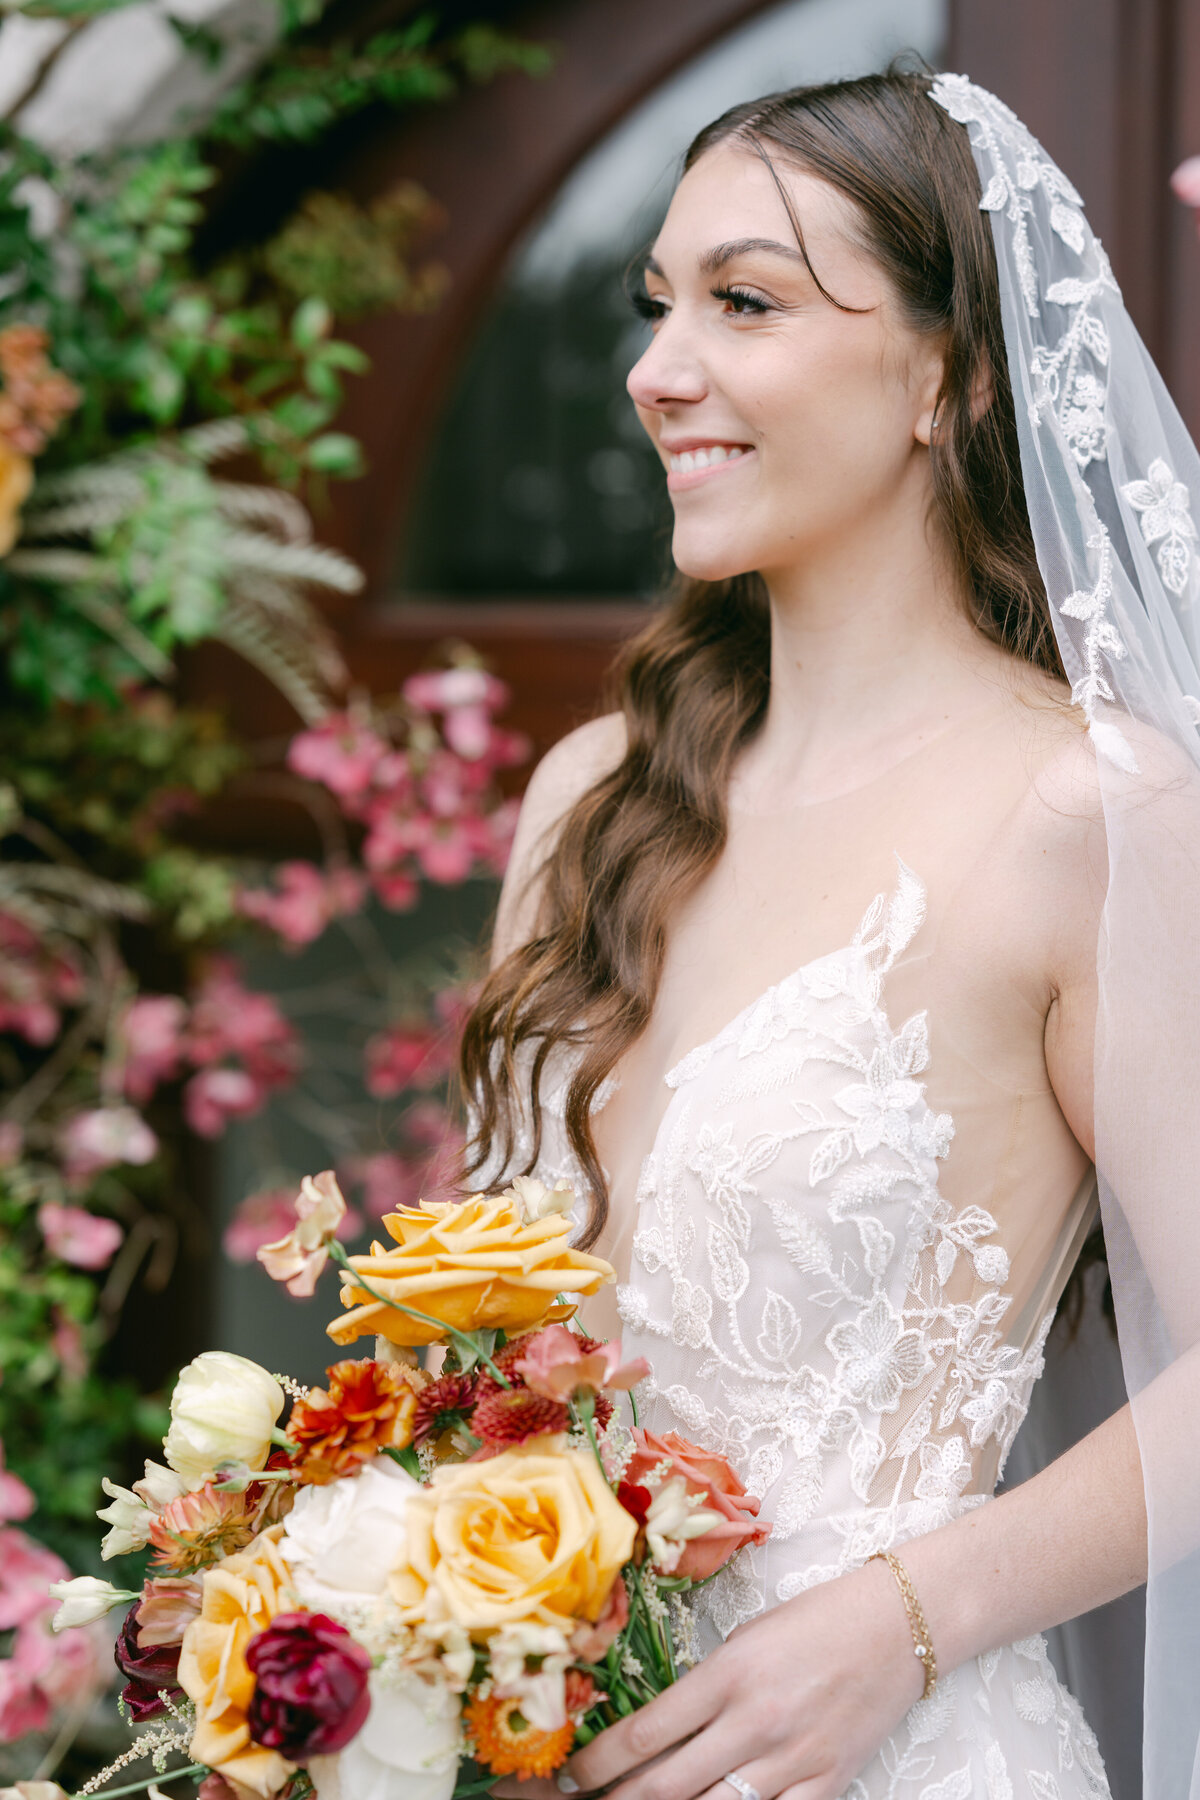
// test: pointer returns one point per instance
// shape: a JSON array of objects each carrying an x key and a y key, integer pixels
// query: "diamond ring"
[{"x": 742, "y": 1786}]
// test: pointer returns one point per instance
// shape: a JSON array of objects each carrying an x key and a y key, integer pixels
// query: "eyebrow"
[{"x": 720, "y": 254}]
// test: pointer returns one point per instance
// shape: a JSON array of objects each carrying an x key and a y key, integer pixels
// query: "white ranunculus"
[
  {"x": 408, "y": 1749},
  {"x": 222, "y": 1410},
  {"x": 85, "y": 1599},
  {"x": 349, "y": 1535}
]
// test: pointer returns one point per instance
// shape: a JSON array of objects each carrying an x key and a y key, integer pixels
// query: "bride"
[{"x": 796, "y": 963}]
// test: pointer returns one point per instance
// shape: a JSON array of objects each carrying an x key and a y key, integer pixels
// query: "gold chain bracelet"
[{"x": 922, "y": 1642}]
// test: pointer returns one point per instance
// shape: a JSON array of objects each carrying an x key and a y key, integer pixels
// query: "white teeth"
[{"x": 688, "y": 460}]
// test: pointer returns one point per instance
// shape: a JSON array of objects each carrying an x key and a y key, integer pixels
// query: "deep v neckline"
[{"x": 908, "y": 885}]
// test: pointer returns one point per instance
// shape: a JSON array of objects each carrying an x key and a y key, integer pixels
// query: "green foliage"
[
  {"x": 298, "y": 100},
  {"x": 61, "y": 1426},
  {"x": 357, "y": 259}
]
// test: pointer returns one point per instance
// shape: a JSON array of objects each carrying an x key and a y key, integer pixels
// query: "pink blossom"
[
  {"x": 262, "y": 1218},
  {"x": 400, "y": 1058},
  {"x": 307, "y": 899},
  {"x": 215, "y": 1096},
  {"x": 16, "y": 1500},
  {"x": 397, "y": 891},
  {"x": 558, "y": 1364},
  {"x": 104, "y": 1137},
  {"x": 36, "y": 982},
  {"x": 341, "y": 752},
  {"x": 152, "y": 1029},
  {"x": 26, "y": 1570},
  {"x": 230, "y": 1021},
  {"x": 23, "y": 1705},
  {"x": 441, "y": 690},
  {"x": 79, "y": 1237},
  {"x": 45, "y": 1672},
  {"x": 1185, "y": 182}
]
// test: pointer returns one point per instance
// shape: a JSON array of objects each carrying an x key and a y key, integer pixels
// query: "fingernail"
[{"x": 565, "y": 1783}]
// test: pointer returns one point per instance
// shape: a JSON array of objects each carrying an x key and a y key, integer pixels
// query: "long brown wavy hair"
[{"x": 693, "y": 686}]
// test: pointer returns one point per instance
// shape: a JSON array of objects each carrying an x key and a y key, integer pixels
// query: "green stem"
[
  {"x": 460, "y": 1339},
  {"x": 139, "y": 1787}
]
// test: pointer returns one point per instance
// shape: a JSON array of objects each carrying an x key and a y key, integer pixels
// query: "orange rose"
[
  {"x": 241, "y": 1597},
  {"x": 711, "y": 1482},
  {"x": 469, "y": 1264}
]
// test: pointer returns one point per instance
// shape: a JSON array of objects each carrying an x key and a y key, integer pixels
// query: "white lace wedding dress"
[{"x": 858, "y": 1335}]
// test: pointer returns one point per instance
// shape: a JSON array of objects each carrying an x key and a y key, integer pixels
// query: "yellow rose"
[
  {"x": 535, "y": 1533},
  {"x": 16, "y": 479},
  {"x": 240, "y": 1598},
  {"x": 470, "y": 1264}
]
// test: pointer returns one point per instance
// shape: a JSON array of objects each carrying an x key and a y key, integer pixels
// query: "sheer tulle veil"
[{"x": 1110, "y": 475}]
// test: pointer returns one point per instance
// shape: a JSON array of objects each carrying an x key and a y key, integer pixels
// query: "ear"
[
  {"x": 929, "y": 419},
  {"x": 929, "y": 399}
]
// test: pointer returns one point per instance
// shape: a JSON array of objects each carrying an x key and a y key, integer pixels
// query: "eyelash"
[{"x": 744, "y": 303}]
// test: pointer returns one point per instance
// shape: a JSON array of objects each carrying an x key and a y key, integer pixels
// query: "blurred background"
[{"x": 322, "y": 513}]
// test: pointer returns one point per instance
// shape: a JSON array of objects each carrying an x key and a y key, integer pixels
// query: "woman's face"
[{"x": 784, "y": 422}]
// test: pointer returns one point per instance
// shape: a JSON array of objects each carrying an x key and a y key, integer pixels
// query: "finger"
[
  {"x": 689, "y": 1770},
  {"x": 668, "y": 1719}
]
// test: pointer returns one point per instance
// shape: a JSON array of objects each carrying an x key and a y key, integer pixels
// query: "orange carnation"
[
  {"x": 369, "y": 1407},
  {"x": 507, "y": 1744}
]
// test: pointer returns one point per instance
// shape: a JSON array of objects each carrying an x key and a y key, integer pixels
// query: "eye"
[
  {"x": 741, "y": 301},
  {"x": 646, "y": 306}
]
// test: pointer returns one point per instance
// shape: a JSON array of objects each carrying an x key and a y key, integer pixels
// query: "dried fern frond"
[
  {"x": 284, "y": 658},
  {"x": 37, "y": 881},
  {"x": 249, "y": 502}
]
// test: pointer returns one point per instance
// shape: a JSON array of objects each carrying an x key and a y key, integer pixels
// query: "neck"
[{"x": 871, "y": 653}]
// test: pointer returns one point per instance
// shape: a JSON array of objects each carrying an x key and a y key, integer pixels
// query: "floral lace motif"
[{"x": 808, "y": 1161}]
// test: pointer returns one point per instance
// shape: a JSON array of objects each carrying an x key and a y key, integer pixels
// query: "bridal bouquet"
[{"x": 420, "y": 1582}]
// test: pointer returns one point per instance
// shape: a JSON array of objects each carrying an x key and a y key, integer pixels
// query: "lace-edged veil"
[{"x": 1110, "y": 475}]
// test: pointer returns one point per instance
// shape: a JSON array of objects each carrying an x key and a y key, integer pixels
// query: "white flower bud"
[
  {"x": 222, "y": 1410},
  {"x": 85, "y": 1599}
]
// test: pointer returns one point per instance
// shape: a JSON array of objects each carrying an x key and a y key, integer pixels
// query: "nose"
[{"x": 667, "y": 373}]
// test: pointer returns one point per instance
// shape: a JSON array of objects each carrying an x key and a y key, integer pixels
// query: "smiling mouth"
[{"x": 683, "y": 462}]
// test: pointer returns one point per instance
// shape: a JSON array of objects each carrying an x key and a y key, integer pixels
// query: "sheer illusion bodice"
[{"x": 842, "y": 1250}]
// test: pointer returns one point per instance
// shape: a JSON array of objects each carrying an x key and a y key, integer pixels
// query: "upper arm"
[{"x": 562, "y": 777}]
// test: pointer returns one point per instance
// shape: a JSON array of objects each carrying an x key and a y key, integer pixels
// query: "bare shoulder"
[{"x": 566, "y": 772}]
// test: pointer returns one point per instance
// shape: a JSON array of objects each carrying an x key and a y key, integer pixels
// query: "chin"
[{"x": 712, "y": 561}]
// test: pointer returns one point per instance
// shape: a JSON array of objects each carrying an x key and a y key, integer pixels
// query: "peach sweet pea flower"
[
  {"x": 557, "y": 1364},
  {"x": 298, "y": 1258},
  {"x": 470, "y": 1265},
  {"x": 710, "y": 1484},
  {"x": 241, "y": 1596}
]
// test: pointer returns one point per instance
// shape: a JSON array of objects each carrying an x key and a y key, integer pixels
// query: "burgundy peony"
[
  {"x": 146, "y": 1670},
  {"x": 311, "y": 1695}
]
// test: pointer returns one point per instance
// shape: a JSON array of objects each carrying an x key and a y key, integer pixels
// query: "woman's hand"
[{"x": 796, "y": 1702}]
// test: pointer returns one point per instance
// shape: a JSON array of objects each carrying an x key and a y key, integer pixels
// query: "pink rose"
[
  {"x": 711, "y": 1478},
  {"x": 79, "y": 1237}
]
